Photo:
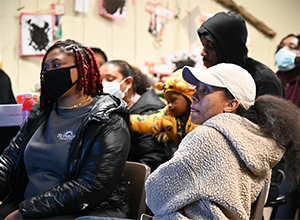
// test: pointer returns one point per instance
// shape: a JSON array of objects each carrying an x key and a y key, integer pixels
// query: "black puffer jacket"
[
  {"x": 94, "y": 182},
  {"x": 228, "y": 34},
  {"x": 144, "y": 147}
]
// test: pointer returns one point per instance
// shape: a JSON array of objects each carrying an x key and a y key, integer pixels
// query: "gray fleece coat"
[{"x": 217, "y": 172}]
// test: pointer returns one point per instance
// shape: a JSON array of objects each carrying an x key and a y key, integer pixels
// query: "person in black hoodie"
[
  {"x": 129, "y": 83},
  {"x": 224, "y": 39}
]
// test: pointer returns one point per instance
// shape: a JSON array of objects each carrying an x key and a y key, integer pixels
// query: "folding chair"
[{"x": 135, "y": 175}]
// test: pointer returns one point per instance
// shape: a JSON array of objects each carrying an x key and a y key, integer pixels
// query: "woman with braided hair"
[{"x": 67, "y": 159}]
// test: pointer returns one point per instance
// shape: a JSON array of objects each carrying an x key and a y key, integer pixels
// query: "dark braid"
[
  {"x": 80, "y": 66},
  {"x": 91, "y": 82},
  {"x": 95, "y": 79}
]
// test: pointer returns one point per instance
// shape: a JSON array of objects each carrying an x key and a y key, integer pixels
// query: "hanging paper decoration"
[
  {"x": 116, "y": 9},
  {"x": 161, "y": 69},
  {"x": 249, "y": 42},
  {"x": 57, "y": 10},
  {"x": 36, "y": 34},
  {"x": 189, "y": 24},
  {"x": 157, "y": 25},
  {"x": 187, "y": 57},
  {"x": 82, "y": 5},
  {"x": 159, "y": 17},
  {"x": 57, "y": 28},
  {"x": 205, "y": 15},
  {"x": 160, "y": 11}
]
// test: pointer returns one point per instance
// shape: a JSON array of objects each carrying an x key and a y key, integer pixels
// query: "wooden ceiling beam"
[{"x": 231, "y": 5}]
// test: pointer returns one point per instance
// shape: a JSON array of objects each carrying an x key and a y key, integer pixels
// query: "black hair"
[
  {"x": 289, "y": 35},
  {"x": 141, "y": 82},
  {"x": 279, "y": 119},
  {"x": 98, "y": 50}
]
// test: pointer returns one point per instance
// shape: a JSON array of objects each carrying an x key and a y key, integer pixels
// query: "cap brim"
[
  {"x": 188, "y": 76},
  {"x": 193, "y": 76}
]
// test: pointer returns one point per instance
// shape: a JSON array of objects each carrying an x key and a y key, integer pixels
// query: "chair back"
[
  {"x": 278, "y": 177},
  {"x": 135, "y": 175},
  {"x": 258, "y": 206}
]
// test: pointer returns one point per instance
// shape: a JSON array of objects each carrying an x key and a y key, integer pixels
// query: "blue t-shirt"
[{"x": 47, "y": 152}]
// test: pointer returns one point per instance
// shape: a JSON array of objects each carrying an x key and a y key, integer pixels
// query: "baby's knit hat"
[{"x": 176, "y": 83}]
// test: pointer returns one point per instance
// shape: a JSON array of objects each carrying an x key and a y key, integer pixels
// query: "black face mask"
[{"x": 58, "y": 81}]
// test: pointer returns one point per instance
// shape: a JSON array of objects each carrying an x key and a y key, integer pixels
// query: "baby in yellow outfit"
[{"x": 174, "y": 118}]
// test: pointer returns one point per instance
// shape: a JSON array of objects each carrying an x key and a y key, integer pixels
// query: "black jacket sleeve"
[
  {"x": 8, "y": 162},
  {"x": 10, "y": 159}
]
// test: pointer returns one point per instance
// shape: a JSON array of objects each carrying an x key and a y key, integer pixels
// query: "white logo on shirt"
[{"x": 68, "y": 135}]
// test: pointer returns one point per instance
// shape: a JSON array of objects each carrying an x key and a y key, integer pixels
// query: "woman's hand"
[{"x": 14, "y": 215}]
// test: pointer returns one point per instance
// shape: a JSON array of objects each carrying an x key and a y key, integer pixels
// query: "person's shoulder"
[
  {"x": 107, "y": 104},
  {"x": 3, "y": 74},
  {"x": 4, "y": 78},
  {"x": 256, "y": 65},
  {"x": 151, "y": 98},
  {"x": 149, "y": 102},
  {"x": 108, "y": 101},
  {"x": 259, "y": 70},
  {"x": 35, "y": 110},
  {"x": 267, "y": 82}
]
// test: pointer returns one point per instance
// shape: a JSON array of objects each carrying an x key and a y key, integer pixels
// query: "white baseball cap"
[{"x": 237, "y": 80}]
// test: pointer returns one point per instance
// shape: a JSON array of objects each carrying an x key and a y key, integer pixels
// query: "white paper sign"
[
  {"x": 10, "y": 115},
  {"x": 82, "y": 5}
]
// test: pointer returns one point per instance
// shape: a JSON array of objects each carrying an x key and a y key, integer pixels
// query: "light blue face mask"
[
  {"x": 285, "y": 60},
  {"x": 114, "y": 88}
]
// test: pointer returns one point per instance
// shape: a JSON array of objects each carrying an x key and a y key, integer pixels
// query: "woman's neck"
[
  {"x": 128, "y": 96},
  {"x": 75, "y": 100},
  {"x": 134, "y": 99}
]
